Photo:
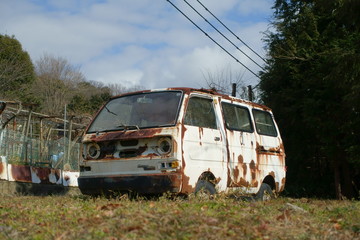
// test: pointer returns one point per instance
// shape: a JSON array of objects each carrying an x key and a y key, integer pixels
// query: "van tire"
[
  {"x": 265, "y": 193},
  {"x": 205, "y": 188}
]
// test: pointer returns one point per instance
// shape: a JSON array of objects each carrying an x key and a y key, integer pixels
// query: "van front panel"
[{"x": 134, "y": 138}]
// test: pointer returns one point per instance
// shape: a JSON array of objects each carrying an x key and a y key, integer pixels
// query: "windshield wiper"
[{"x": 110, "y": 111}]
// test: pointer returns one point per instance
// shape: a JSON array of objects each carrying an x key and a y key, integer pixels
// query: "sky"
[{"x": 141, "y": 42}]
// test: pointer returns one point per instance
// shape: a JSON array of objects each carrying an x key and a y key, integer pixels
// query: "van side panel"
[
  {"x": 203, "y": 145},
  {"x": 252, "y": 156}
]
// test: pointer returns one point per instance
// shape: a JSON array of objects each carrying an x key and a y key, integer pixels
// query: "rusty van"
[{"x": 182, "y": 141}]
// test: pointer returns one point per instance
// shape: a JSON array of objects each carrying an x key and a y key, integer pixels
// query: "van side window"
[
  {"x": 200, "y": 112},
  {"x": 237, "y": 117},
  {"x": 264, "y": 123}
]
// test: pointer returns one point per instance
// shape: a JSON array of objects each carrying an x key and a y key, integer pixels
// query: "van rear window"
[{"x": 264, "y": 123}]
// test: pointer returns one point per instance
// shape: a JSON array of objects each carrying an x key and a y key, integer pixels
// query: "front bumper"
[{"x": 141, "y": 184}]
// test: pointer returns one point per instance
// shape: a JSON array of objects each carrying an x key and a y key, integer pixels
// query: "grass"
[{"x": 80, "y": 217}]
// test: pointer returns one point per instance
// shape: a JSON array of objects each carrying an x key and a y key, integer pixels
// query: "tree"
[
  {"x": 117, "y": 89},
  {"x": 56, "y": 84},
  {"x": 223, "y": 80},
  {"x": 89, "y": 97},
  {"x": 312, "y": 84},
  {"x": 16, "y": 69}
]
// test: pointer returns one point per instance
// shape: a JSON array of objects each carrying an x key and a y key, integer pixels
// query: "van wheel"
[
  {"x": 205, "y": 189},
  {"x": 265, "y": 193}
]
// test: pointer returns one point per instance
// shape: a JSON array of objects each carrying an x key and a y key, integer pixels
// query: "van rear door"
[{"x": 269, "y": 147}]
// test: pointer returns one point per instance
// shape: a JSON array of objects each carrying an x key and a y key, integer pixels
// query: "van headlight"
[
  {"x": 93, "y": 151},
  {"x": 164, "y": 146}
]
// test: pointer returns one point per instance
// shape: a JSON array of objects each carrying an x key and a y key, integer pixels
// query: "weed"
[{"x": 166, "y": 217}]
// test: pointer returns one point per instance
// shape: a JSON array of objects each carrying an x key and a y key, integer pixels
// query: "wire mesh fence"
[
  {"x": 60, "y": 153},
  {"x": 34, "y": 139}
]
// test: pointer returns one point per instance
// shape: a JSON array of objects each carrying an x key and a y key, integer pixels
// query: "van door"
[
  {"x": 269, "y": 142},
  {"x": 269, "y": 147},
  {"x": 241, "y": 145},
  {"x": 202, "y": 140}
]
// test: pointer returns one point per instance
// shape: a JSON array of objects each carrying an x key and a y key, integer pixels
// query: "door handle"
[{"x": 217, "y": 138}]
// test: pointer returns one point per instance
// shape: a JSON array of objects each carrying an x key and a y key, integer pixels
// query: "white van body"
[{"x": 179, "y": 140}]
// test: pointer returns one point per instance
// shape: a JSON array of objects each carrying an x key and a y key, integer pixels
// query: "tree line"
[
  {"x": 50, "y": 83},
  {"x": 312, "y": 83}
]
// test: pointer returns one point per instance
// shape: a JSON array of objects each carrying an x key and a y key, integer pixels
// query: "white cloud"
[
  {"x": 142, "y": 42},
  {"x": 128, "y": 77},
  {"x": 253, "y": 7}
]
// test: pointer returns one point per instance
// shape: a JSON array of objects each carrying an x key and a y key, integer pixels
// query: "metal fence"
[{"x": 35, "y": 139}]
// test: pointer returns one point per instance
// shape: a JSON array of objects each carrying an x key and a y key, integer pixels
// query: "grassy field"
[{"x": 80, "y": 217}]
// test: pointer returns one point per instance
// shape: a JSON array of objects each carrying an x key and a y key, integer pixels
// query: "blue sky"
[{"x": 139, "y": 42}]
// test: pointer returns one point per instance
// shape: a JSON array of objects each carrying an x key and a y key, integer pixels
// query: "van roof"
[{"x": 187, "y": 90}]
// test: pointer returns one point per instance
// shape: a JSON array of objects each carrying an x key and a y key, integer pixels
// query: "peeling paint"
[{"x": 235, "y": 158}]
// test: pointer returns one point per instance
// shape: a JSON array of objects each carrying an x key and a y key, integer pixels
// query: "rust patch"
[
  {"x": 125, "y": 135},
  {"x": 21, "y": 173},
  {"x": 264, "y": 155},
  {"x": 150, "y": 155},
  {"x": 252, "y": 169},
  {"x": 1, "y": 167},
  {"x": 201, "y": 133},
  {"x": 244, "y": 183},
  {"x": 236, "y": 173},
  {"x": 244, "y": 167},
  {"x": 240, "y": 159},
  {"x": 186, "y": 188},
  {"x": 183, "y": 130},
  {"x": 229, "y": 181},
  {"x": 42, "y": 174}
]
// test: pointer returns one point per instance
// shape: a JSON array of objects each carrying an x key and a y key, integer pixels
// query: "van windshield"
[{"x": 144, "y": 110}]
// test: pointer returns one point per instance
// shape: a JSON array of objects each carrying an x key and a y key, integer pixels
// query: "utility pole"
[
  {"x": 233, "y": 93},
  {"x": 250, "y": 93}
]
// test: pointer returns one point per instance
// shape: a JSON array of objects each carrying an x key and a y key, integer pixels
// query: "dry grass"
[{"x": 79, "y": 217}]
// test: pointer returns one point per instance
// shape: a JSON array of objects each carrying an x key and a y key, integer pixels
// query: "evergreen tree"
[
  {"x": 16, "y": 69},
  {"x": 312, "y": 83}
]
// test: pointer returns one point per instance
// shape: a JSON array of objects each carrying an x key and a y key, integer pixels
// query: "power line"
[
  {"x": 223, "y": 34},
  {"x": 230, "y": 31},
  {"x": 212, "y": 39}
]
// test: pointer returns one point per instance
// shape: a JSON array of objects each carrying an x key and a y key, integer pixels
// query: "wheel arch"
[
  {"x": 208, "y": 176},
  {"x": 270, "y": 181}
]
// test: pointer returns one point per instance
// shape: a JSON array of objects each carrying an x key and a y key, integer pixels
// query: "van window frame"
[
  {"x": 176, "y": 119},
  {"x": 272, "y": 121},
  {"x": 207, "y": 98},
  {"x": 248, "y": 115}
]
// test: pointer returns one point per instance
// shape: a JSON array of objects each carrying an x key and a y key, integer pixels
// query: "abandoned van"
[{"x": 182, "y": 141}]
